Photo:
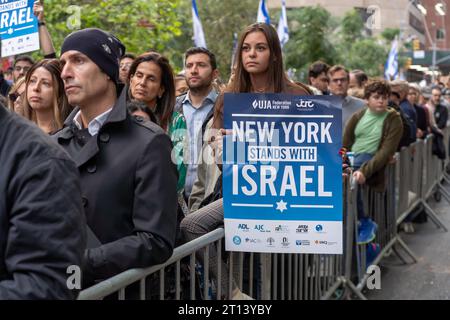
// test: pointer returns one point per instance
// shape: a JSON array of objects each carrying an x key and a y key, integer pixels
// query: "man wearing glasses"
[
  {"x": 124, "y": 66},
  {"x": 339, "y": 83},
  {"x": 21, "y": 66}
]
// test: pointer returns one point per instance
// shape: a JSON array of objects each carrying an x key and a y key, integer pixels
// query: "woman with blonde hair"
[{"x": 45, "y": 101}]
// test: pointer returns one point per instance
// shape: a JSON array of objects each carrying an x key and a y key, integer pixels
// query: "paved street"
[{"x": 430, "y": 277}]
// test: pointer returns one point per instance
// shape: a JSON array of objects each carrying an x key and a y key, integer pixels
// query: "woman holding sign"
[{"x": 258, "y": 69}]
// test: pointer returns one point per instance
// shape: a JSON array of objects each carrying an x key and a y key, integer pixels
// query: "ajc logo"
[
  {"x": 237, "y": 240},
  {"x": 260, "y": 228}
]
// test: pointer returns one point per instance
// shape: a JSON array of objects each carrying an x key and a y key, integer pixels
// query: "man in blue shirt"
[
  {"x": 197, "y": 104},
  {"x": 401, "y": 88}
]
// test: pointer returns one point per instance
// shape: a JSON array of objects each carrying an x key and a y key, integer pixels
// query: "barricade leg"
[
  {"x": 433, "y": 216},
  {"x": 443, "y": 192},
  {"x": 406, "y": 248}
]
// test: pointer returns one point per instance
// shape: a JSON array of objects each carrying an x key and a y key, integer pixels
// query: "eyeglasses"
[
  {"x": 339, "y": 80},
  {"x": 14, "y": 96},
  {"x": 20, "y": 68},
  {"x": 125, "y": 66},
  {"x": 324, "y": 80}
]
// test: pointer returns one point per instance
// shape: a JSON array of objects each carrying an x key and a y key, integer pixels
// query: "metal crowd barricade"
[
  {"x": 120, "y": 282},
  {"x": 432, "y": 176},
  {"x": 446, "y": 171},
  {"x": 441, "y": 167},
  {"x": 382, "y": 209},
  {"x": 263, "y": 276},
  {"x": 415, "y": 176}
]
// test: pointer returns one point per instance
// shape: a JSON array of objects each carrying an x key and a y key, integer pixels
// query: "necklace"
[{"x": 263, "y": 90}]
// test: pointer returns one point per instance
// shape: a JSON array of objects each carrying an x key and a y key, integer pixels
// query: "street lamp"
[
  {"x": 440, "y": 9},
  {"x": 422, "y": 9}
]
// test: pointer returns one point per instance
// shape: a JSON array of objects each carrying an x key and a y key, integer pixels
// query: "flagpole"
[
  {"x": 199, "y": 36},
  {"x": 263, "y": 13},
  {"x": 283, "y": 29}
]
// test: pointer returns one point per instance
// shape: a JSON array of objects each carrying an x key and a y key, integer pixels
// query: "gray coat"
[
  {"x": 129, "y": 190},
  {"x": 42, "y": 226}
]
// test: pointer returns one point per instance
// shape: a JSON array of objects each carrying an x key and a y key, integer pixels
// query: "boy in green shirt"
[{"x": 373, "y": 135}]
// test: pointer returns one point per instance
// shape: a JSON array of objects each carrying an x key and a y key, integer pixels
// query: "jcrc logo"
[
  {"x": 304, "y": 104},
  {"x": 262, "y": 104},
  {"x": 237, "y": 240},
  {"x": 243, "y": 227}
]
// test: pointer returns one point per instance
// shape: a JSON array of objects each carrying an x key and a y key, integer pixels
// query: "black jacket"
[
  {"x": 441, "y": 116},
  {"x": 129, "y": 190},
  {"x": 42, "y": 226},
  {"x": 4, "y": 86}
]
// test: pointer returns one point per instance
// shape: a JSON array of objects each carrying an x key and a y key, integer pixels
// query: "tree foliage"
[
  {"x": 166, "y": 26},
  {"x": 352, "y": 27},
  {"x": 220, "y": 21},
  {"x": 308, "y": 38},
  {"x": 140, "y": 24}
]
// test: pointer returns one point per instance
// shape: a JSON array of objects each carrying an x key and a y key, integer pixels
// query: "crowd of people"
[{"x": 141, "y": 168}]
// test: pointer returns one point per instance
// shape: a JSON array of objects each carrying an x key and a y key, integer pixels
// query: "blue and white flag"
[
  {"x": 263, "y": 13},
  {"x": 391, "y": 66},
  {"x": 283, "y": 30},
  {"x": 233, "y": 54},
  {"x": 199, "y": 36}
]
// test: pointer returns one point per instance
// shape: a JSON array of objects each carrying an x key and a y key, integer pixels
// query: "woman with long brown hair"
[
  {"x": 151, "y": 81},
  {"x": 45, "y": 101},
  {"x": 258, "y": 69}
]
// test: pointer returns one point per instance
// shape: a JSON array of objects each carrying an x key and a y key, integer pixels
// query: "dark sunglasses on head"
[
  {"x": 13, "y": 96},
  {"x": 396, "y": 94}
]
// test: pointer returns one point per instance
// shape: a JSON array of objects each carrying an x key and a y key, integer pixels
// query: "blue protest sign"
[
  {"x": 18, "y": 27},
  {"x": 282, "y": 173}
]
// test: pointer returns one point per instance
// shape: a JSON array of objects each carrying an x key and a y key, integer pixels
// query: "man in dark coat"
[
  {"x": 4, "y": 85},
  {"x": 128, "y": 181},
  {"x": 42, "y": 225}
]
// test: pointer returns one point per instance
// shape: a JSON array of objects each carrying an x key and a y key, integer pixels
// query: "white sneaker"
[
  {"x": 239, "y": 295},
  {"x": 408, "y": 227}
]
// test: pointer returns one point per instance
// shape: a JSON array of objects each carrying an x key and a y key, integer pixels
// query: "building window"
[{"x": 440, "y": 34}]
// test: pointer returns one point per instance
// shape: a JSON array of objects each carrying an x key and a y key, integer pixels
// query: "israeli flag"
[
  {"x": 391, "y": 66},
  {"x": 233, "y": 54},
  {"x": 283, "y": 30},
  {"x": 263, "y": 13},
  {"x": 199, "y": 36}
]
